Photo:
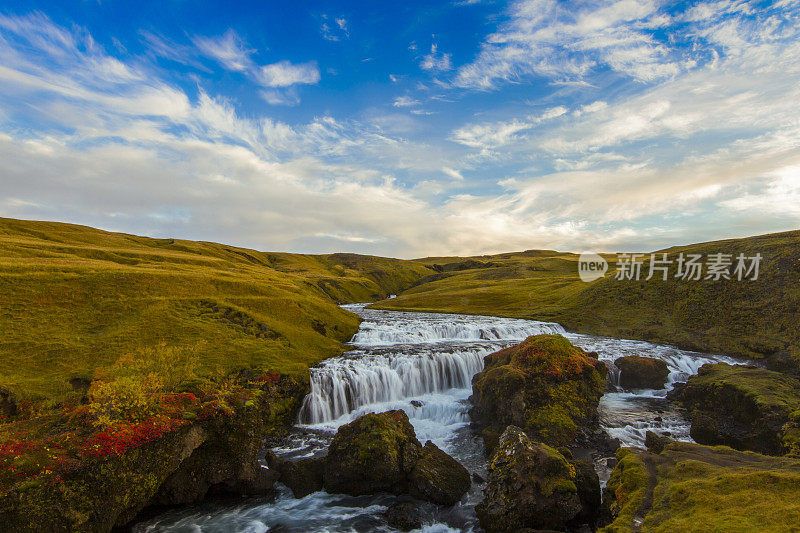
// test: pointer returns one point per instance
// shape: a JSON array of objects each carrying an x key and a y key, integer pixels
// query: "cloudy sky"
[{"x": 404, "y": 128}]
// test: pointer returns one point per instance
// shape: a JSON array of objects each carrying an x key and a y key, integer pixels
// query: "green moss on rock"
[
  {"x": 691, "y": 487},
  {"x": 532, "y": 485},
  {"x": 744, "y": 407},
  {"x": 545, "y": 385}
]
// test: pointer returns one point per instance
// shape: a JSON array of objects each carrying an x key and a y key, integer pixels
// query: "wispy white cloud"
[
  {"x": 228, "y": 49},
  {"x": 543, "y": 39},
  {"x": 405, "y": 101},
  {"x": 334, "y": 28},
  {"x": 435, "y": 61}
]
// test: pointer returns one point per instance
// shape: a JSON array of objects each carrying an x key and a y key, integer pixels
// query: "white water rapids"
[{"x": 423, "y": 363}]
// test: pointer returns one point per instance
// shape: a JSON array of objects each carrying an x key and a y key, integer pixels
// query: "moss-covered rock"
[
  {"x": 744, "y": 407},
  {"x": 638, "y": 372},
  {"x": 218, "y": 454},
  {"x": 372, "y": 454},
  {"x": 545, "y": 385},
  {"x": 379, "y": 452},
  {"x": 691, "y": 487},
  {"x": 532, "y": 485}
]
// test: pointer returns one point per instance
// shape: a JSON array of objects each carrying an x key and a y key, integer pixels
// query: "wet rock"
[
  {"x": 477, "y": 478},
  {"x": 381, "y": 453},
  {"x": 744, "y": 407},
  {"x": 303, "y": 477},
  {"x": 437, "y": 477},
  {"x": 642, "y": 372},
  {"x": 655, "y": 442},
  {"x": 544, "y": 385},
  {"x": 404, "y": 516},
  {"x": 589, "y": 492},
  {"x": 372, "y": 454},
  {"x": 532, "y": 485},
  {"x": 416, "y": 403}
]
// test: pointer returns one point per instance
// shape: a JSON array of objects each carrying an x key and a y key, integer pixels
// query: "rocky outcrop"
[
  {"x": 303, "y": 476},
  {"x": 691, "y": 487},
  {"x": 380, "y": 453},
  {"x": 642, "y": 372},
  {"x": 532, "y": 485},
  {"x": 544, "y": 385},
  {"x": 744, "y": 407},
  {"x": 213, "y": 455}
]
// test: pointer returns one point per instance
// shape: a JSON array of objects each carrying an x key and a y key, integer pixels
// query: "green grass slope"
[
  {"x": 755, "y": 319},
  {"x": 74, "y": 299}
]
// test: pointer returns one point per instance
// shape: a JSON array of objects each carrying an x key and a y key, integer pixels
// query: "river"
[{"x": 423, "y": 363}]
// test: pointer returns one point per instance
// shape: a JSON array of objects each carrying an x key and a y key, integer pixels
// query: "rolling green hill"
[
  {"x": 756, "y": 319},
  {"x": 74, "y": 298}
]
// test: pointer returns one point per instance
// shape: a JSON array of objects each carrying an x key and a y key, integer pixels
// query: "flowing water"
[{"x": 423, "y": 363}]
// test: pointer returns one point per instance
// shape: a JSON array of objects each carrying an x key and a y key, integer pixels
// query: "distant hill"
[
  {"x": 74, "y": 298},
  {"x": 755, "y": 319}
]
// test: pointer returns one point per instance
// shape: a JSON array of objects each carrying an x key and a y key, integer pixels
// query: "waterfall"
[
  {"x": 344, "y": 384},
  {"x": 458, "y": 329}
]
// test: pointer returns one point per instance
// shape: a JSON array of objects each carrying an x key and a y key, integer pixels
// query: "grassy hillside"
[
  {"x": 532, "y": 284},
  {"x": 74, "y": 299},
  {"x": 755, "y": 319}
]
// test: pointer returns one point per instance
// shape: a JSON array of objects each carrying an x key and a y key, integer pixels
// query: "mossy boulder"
[
  {"x": 638, "y": 372},
  {"x": 744, "y": 407},
  {"x": 372, "y": 454},
  {"x": 544, "y": 385},
  {"x": 379, "y": 452},
  {"x": 691, "y": 487},
  {"x": 531, "y": 485}
]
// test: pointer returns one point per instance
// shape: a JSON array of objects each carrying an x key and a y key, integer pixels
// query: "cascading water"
[{"x": 423, "y": 363}]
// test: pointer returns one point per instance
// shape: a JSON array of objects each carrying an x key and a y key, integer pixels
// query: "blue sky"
[{"x": 405, "y": 129}]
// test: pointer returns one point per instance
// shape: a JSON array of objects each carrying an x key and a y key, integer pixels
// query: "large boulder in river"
[
  {"x": 544, "y": 385},
  {"x": 642, "y": 372},
  {"x": 437, "y": 477},
  {"x": 380, "y": 453},
  {"x": 744, "y": 407},
  {"x": 531, "y": 485}
]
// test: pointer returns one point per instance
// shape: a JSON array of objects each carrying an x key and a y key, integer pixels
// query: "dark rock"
[
  {"x": 8, "y": 403},
  {"x": 381, "y": 453},
  {"x": 611, "y": 462},
  {"x": 544, "y": 385},
  {"x": 437, "y": 477},
  {"x": 303, "y": 476},
  {"x": 655, "y": 442},
  {"x": 744, "y": 407},
  {"x": 372, "y": 454},
  {"x": 477, "y": 478},
  {"x": 642, "y": 372},
  {"x": 530, "y": 485},
  {"x": 416, "y": 403},
  {"x": 589, "y": 493},
  {"x": 404, "y": 516}
]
